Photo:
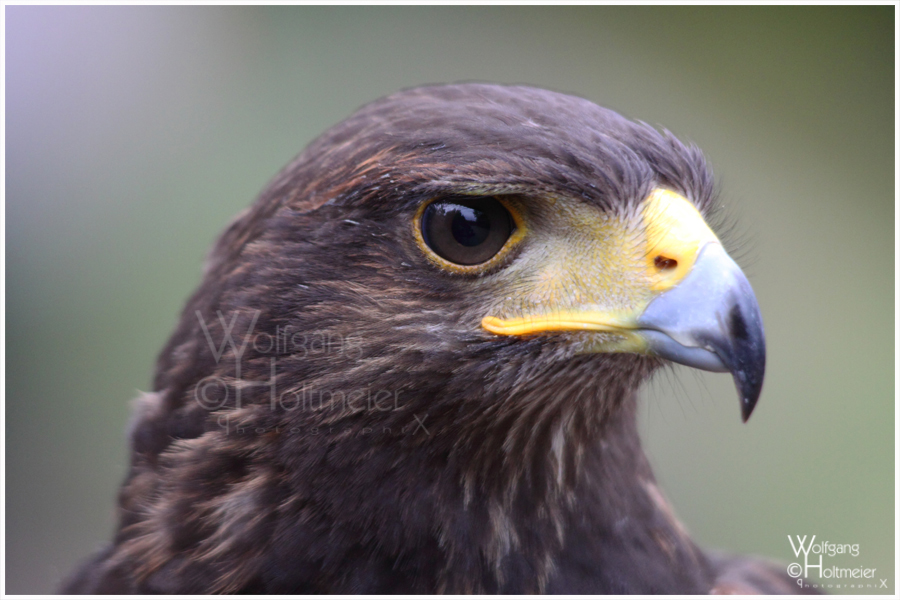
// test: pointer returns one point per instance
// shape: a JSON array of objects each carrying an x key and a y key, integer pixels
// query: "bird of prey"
[{"x": 412, "y": 365}]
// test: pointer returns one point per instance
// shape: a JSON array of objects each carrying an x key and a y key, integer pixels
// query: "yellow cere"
[
  {"x": 674, "y": 230},
  {"x": 593, "y": 272}
]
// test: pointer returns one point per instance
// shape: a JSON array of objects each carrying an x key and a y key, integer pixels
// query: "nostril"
[{"x": 664, "y": 262}]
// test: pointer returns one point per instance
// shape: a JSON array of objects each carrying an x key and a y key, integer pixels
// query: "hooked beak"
[{"x": 711, "y": 321}]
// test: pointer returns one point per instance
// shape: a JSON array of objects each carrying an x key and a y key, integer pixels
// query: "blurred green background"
[{"x": 134, "y": 134}]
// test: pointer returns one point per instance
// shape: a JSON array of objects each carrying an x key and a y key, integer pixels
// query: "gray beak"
[{"x": 711, "y": 321}]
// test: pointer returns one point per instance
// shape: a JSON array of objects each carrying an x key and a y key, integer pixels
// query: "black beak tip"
[
  {"x": 749, "y": 386},
  {"x": 747, "y": 406},
  {"x": 747, "y": 352}
]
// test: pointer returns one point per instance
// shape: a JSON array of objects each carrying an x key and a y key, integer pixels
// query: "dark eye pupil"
[
  {"x": 466, "y": 231},
  {"x": 470, "y": 226}
]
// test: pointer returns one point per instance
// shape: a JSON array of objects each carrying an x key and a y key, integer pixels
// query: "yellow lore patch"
[{"x": 597, "y": 273}]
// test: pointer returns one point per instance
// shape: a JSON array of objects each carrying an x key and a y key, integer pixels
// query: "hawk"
[{"x": 412, "y": 365}]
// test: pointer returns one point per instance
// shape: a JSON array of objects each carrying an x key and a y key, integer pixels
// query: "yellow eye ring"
[{"x": 510, "y": 204}]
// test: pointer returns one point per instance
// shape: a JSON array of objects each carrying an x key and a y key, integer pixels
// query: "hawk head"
[{"x": 412, "y": 364}]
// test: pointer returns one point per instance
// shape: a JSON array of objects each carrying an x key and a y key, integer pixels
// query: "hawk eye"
[{"x": 466, "y": 231}]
